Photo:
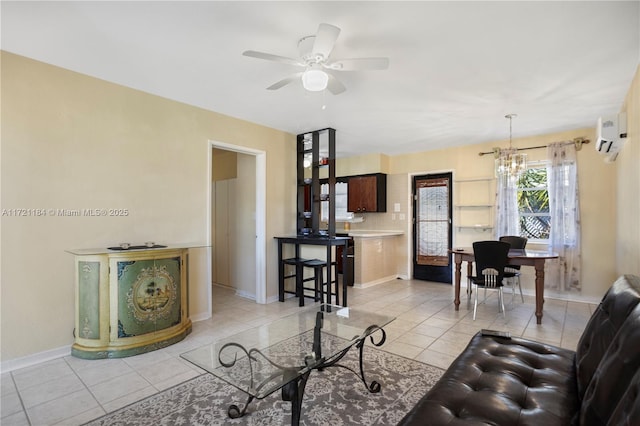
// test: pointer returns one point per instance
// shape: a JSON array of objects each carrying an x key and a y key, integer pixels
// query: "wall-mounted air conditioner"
[{"x": 611, "y": 135}]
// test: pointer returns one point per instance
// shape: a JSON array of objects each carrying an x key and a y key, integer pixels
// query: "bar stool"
[
  {"x": 318, "y": 277},
  {"x": 298, "y": 262}
]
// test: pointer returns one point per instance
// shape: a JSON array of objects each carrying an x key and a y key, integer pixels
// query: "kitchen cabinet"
[
  {"x": 375, "y": 259},
  {"x": 350, "y": 258},
  {"x": 367, "y": 193}
]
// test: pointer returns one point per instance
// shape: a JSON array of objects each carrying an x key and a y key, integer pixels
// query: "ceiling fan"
[{"x": 315, "y": 51}]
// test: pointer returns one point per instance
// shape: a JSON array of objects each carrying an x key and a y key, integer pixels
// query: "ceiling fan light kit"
[
  {"x": 314, "y": 79},
  {"x": 314, "y": 53}
]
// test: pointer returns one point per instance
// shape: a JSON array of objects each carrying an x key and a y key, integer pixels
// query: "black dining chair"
[
  {"x": 512, "y": 272},
  {"x": 491, "y": 258}
]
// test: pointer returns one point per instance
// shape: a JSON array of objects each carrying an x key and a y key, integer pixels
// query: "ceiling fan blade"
[
  {"x": 285, "y": 81},
  {"x": 270, "y": 57},
  {"x": 358, "y": 64},
  {"x": 335, "y": 86},
  {"x": 325, "y": 39}
]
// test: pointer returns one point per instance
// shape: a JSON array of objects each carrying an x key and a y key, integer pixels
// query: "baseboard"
[
  {"x": 33, "y": 359},
  {"x": 200, "y": 316},
  {"x": 565, "y": 298},
  {"x": 375, "y": 282},
  {"x": 246, "y": 295},
  {"x": 273, "y": 299}
]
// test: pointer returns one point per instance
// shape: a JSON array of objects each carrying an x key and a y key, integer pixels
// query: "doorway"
[
  {"x": 237, "y": 219},
  {"x": 432, "y": 230}
]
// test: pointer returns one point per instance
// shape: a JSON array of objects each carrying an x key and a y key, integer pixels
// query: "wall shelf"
[
  {"x": 479, "y": 227},
  {"x": 474, "y": 204}
]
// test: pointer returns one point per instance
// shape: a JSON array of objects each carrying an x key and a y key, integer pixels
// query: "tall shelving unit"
[
  {"x": 474, "y": 204},
  {"x": 317, "y": 149}
]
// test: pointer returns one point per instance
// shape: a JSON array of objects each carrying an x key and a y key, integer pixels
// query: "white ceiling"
[{"x": 456, "y": 68}]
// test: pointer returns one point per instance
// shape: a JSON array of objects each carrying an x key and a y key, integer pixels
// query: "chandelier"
[{"x": 510, "y": 163}]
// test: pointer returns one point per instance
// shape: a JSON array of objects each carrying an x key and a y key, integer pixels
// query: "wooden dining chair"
[
  {"x": 491, "y": 258},
  {"x": 512, "y": 272}
]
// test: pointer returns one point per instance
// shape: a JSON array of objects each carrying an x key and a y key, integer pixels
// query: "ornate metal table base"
[{"x": 293, "y": 390}]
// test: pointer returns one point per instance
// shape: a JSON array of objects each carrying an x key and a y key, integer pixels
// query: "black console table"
[{"x": 329, "y": 242}]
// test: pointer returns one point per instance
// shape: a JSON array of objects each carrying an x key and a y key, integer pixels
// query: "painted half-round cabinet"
[{"x": 130, "y": 301}]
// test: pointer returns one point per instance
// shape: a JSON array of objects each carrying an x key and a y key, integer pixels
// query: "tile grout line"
[
  {"x": 24, "y": 408},
  {"x": 86, "y": 387}
]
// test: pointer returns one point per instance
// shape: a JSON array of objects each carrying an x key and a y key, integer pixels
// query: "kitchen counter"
[
  {"x": 373, "y": 233},
  {"x": 375, "y": 258}
]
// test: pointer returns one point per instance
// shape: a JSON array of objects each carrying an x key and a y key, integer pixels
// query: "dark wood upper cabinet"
[{"x": 367, "y": 193}]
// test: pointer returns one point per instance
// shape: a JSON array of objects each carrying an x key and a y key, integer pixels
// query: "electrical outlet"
[
  {"x": 401, "y": 216},
  {"x": 396, "y": 207}
]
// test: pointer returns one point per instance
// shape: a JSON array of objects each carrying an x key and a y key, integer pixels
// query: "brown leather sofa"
[{"x": 499, "y": 381}]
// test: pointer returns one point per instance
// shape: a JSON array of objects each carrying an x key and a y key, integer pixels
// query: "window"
[{"x": 533, "y": 204}]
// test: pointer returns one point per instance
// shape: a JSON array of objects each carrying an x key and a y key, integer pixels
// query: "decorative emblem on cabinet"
[
  {"x": 86, "y": 329},
  {"x": 152, "y": 295}
]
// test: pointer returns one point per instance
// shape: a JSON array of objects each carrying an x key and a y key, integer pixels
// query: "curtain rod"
[{"x": 577, "y": 141}]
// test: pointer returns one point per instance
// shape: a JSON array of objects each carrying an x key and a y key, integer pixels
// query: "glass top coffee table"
[{"x": 281, "y": 355}]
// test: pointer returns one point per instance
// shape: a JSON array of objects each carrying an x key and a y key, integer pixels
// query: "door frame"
[
  {"x": 261, "y": 213},
  {"x": 411, "y": 218}
]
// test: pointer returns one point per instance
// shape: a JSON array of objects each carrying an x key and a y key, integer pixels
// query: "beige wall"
[
  {"x": 224, "y": 164},
  {"x": 628, "y": 187},
  {"x": 361, "y": 165},
  {"x": 70, "y": 141}
]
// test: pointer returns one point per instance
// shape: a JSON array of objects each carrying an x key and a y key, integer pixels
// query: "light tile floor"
[{"x": 69, "y": 391}]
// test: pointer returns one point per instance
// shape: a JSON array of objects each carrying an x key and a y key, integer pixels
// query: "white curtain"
[
  {"x": 507, "y": 221},
  {"x": 562, "y": 180}
]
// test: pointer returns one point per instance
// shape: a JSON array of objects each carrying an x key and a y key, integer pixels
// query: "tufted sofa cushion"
[
  {"x": 614, "y": 375},
  {"x": 619, "y": 301},
  {"x": 502, "y": 382},
  {"x": 628, "y": 410}
]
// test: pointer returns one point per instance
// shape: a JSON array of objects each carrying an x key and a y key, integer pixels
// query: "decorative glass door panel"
[{"x": 432, "y": 231}]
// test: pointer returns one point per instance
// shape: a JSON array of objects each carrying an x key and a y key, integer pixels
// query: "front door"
[{"x": 432, "y": 232}]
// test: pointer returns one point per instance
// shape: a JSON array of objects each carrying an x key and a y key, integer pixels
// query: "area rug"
[{"x": 334, "y": 396}]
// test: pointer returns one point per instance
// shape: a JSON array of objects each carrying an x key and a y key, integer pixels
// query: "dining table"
[{"x": 523, "y": 257}]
